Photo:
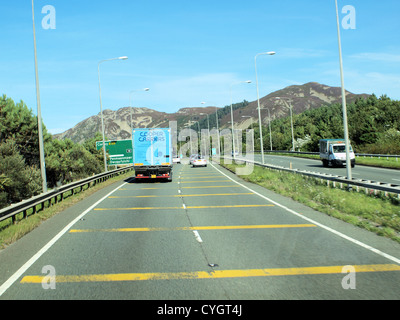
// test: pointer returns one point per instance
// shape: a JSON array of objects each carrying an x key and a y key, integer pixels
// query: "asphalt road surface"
[
  {"x": 206, "y": 235},
  {"x": 390, "y": 176}
]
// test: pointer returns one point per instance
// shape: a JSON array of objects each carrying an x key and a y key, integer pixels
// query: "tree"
[
  {"x": 17, "y": 180},
  {"x": 67, "y": 161},
  {"x": 90, "y": 145},
  {"x": 369, "y": 121},
  {"x": 19, "y": 123}
]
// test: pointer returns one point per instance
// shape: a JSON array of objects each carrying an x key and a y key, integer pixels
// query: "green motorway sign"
[{"x": 119, "y": 152}]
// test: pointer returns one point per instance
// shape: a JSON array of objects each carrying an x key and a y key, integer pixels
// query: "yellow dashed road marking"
[{"x": 216, "y": 274}]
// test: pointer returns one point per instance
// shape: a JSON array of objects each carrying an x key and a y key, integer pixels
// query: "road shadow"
[
  {"x": 133, "y": 180},
  {"x": 130, "y": 180}
]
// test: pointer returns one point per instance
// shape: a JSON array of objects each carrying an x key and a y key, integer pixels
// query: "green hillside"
[{"x": 374, "y": 127}]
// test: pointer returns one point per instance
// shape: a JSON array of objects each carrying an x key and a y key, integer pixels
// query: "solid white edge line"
[
  {"x": 366, "y": 246},
  {"x": 31, "y": 261}
]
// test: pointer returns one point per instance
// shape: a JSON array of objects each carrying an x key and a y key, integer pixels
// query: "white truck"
[
  {"x": 152, "y": 153},
  {"x": 332, "y": 152}
]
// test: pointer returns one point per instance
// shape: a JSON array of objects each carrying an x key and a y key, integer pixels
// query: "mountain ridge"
[{"x": 118, "y": 123}]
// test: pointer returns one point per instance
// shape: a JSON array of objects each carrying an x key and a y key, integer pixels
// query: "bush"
[
  {"x": 388, "y": 143},
  {"x": 20, "y": 177},
  {"x": 17, "y": 180}
]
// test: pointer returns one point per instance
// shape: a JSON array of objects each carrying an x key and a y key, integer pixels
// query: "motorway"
[
  {"x": 206, "y": 235},
  {"x": 390, "y": 176}
]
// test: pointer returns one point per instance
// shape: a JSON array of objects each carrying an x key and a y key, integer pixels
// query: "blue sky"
[{"x": 190, "y": 51}]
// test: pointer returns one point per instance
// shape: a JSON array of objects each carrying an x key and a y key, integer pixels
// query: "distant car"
[
  {"x": 199, "y": 162},
  {"x": 192, "y": 157},
  {"x": 176, "y": 160}
]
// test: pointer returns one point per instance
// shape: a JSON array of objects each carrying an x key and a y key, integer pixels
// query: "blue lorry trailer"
[{"x": 152, "y": 153}]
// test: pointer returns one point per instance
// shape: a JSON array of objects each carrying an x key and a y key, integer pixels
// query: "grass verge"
[
  {"x": 390, "y": 163},
  {"x": 10, "y": 233},
  {"x": 375, "y": 213}
]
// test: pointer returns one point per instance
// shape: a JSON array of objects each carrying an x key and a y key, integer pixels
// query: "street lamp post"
[
  {"x": 270, "y": 53},
  {"x": 39, "y": 112},
  {"x": 233, "y": 138},
  {"x": 101, "y": 108},
  {"x": 345, "y": 125}
]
